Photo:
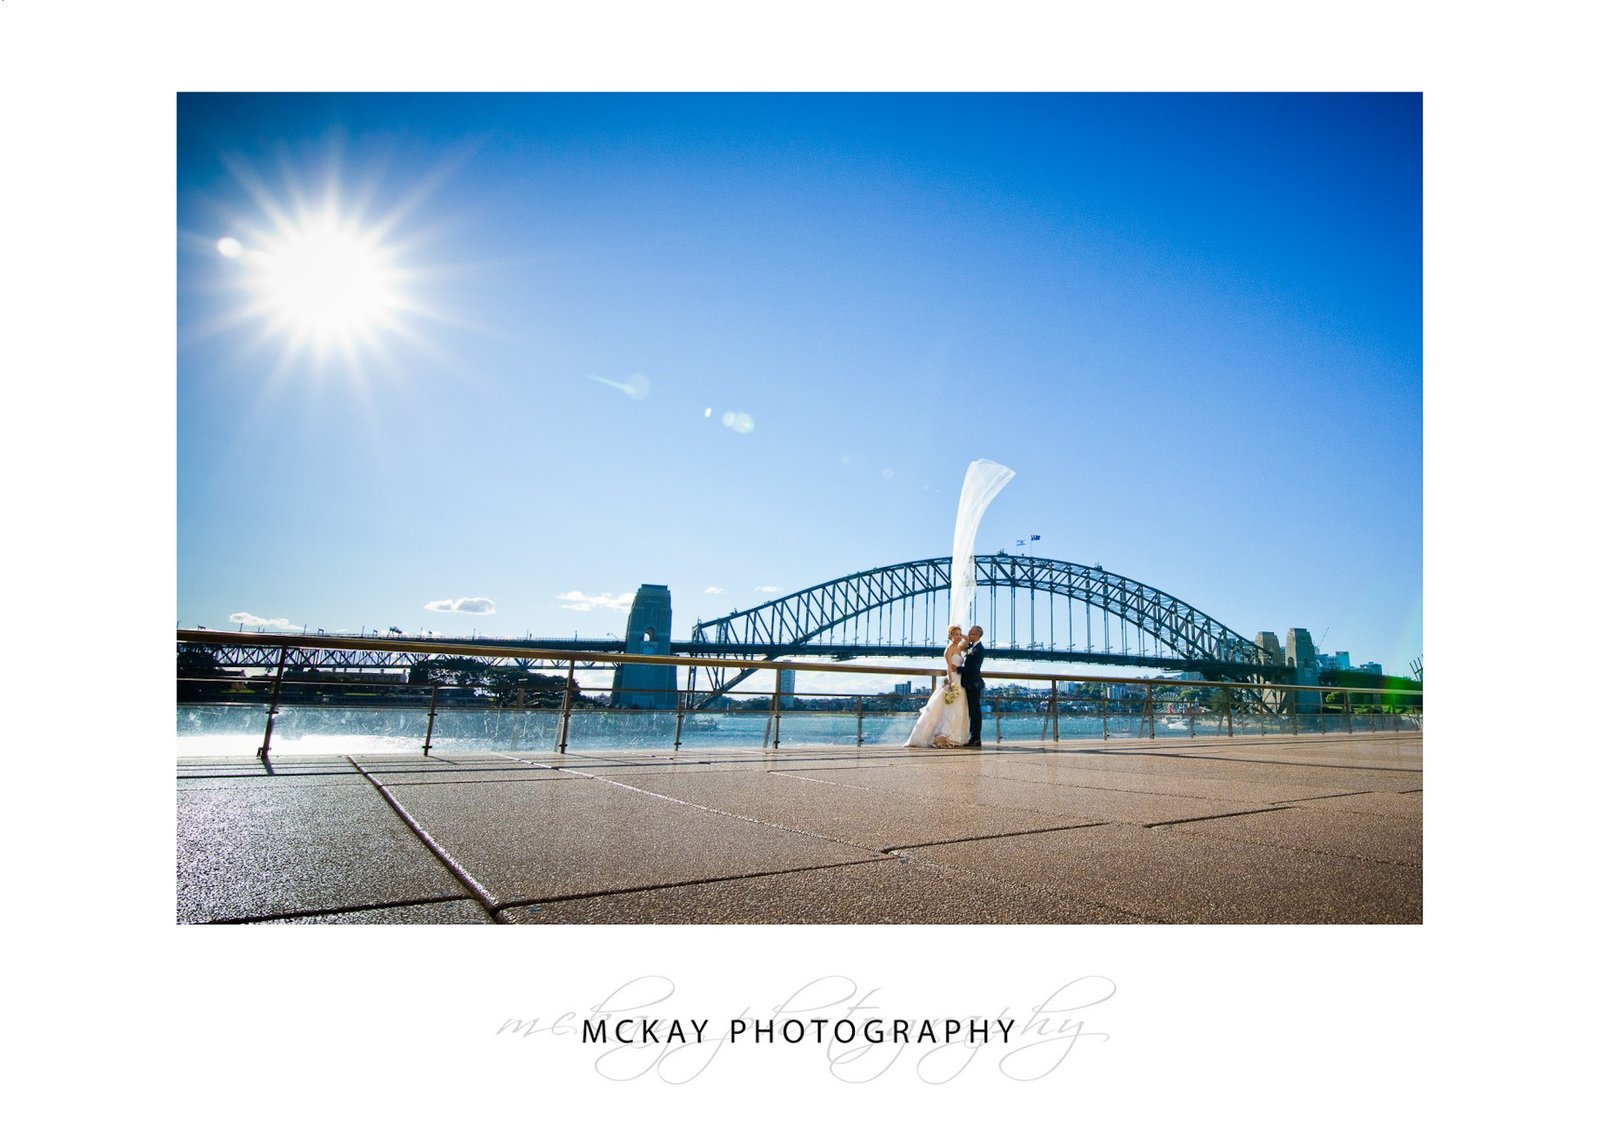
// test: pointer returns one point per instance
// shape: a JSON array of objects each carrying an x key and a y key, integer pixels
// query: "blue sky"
[{"x": 1191, "y": 324}]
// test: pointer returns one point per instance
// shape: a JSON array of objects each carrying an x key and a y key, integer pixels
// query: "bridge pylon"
[{"x": 637, "y": 686}]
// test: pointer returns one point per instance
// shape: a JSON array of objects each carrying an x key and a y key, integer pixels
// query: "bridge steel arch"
[{"x": 1194, "y": 637}]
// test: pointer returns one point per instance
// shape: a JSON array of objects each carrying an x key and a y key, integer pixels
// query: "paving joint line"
[
  {"x": 1311, "y": 851},
  {"x": 455, "y": 867},
  {"x": 1000, "y": 836},
  {"x": 1326, "y": 796},
  {"x": 344, "y": 910},
  {"x": 1216, "y": 817},
  {"x": 597, "y": 893},
  {"x": 257, "y": 776}
]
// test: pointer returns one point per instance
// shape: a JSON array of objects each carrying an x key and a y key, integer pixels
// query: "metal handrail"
[{"x": 503, "y": 651}]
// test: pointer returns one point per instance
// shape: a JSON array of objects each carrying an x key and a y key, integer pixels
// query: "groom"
[{"x": 972, "y": 683}]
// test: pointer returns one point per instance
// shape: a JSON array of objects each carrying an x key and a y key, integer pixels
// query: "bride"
[{"x": 943, "y": 721}]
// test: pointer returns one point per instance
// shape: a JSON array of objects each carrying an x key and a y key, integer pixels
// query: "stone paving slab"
[
  {"x": 702, "y": 759},
  {"x": 222, "y": 769},
  {"x": 533, "y": 840},
  {"x": 1368, "y": 752},
  {"x": 1169, "y": 877},
  {"x": 1251, "y": 791},
  {"x": 1078, "y": 803},
  {"x": 1214, "y": 767},
  {"x": 264, "y": 784},
  {"x": 882, "y": 892},
  {"x": 391, "y": 764},
  {"x": 1307, "y": 827},
  {"x": 866, "y": 817},
  {"x": 1375, "y": 750},
  {"x": 843, "y": 757},
  {"x": 479, "y": 774},
  {"x": 1330, "y": 833},
  {"x": 282, "y": 764},
  {"x": 275, "y": 846},
  {"x": 466, "y": 911}
]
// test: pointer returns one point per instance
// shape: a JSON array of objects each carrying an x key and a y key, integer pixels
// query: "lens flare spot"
[
  {"x": 230, "y": 247},
  {"x": 740, "y": 422}
]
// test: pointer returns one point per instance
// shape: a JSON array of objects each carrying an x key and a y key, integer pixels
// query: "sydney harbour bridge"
[{"x": 1032, "y": 609}]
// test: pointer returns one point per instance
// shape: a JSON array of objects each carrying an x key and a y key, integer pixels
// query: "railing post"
[
  {"x": 777, "y": 708},
  {"x": 998, "y": 735},
  {"x": 1227, "y": 707},
  {"x": 566, "y": 707},
  {"x": 1055, "y": 712},
  {"x": 678, "y": 740},
  {"x": 1294, "y": 711},
  {"x": 860, "y": 734},
  {"x": 1105, "y": 713},
  {"x": 1349, "y": 717},
  {"x": 1191, "y": 719},
  {"x": 272, "y": 706},
  {"x": 433, "y": 706}
]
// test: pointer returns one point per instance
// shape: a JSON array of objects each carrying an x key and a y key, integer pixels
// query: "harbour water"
[{"x": 237, "y": 730}]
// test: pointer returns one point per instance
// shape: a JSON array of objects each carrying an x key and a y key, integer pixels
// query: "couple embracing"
[{"x": 953, "y": 716}]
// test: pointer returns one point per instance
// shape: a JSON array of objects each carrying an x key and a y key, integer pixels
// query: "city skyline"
[{"x": 741, "y": 345}]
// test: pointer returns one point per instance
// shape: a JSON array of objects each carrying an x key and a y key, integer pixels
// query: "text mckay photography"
[{"x": 853, "y": 1032}]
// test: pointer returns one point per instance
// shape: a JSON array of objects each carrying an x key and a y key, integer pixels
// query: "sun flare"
[
  {"x": 327, "y": 281},
  {"x": 324, "y": 277}
]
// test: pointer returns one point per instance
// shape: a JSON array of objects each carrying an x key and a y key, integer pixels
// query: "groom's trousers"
[{"x": 974, "y": 713}]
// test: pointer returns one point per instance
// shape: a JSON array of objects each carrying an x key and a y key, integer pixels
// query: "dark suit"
[{"x": 972, "y": 684}]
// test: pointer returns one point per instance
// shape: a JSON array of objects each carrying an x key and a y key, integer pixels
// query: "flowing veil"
[{"x": 984, "y": 480}]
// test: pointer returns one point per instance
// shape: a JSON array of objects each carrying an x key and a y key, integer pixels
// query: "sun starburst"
[{"x": 319, "y": 279}]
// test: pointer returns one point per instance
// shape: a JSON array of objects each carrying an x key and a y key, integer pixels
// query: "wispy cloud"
[
  {"x": 578, "y": 601},
  {"x": 250, "y": 620},
  {"x": 467, "y": 606},
  {"x": 716, "y": 591},
  {"x": 769, "y": 590}
]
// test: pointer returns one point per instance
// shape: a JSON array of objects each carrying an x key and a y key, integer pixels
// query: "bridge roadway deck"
[{"x": 1294, "y": 830}]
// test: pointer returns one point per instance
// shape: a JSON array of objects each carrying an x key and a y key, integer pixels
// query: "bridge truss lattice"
[{"x": 902, "y": 601}]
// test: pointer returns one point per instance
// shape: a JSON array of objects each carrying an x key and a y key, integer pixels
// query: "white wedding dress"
[{"x": 943, "y": 724}]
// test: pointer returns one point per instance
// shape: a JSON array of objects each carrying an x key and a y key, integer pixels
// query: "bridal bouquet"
[{"x": 949, "y": 694}]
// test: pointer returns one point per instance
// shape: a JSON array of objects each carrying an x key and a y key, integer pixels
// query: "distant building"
[
  {"x": 1370, "y": 668},
  {"x": 786, "y": 689},
  {"x": 902, "y": 687}
]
